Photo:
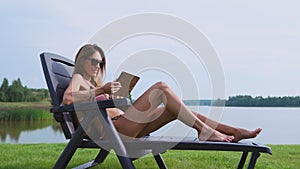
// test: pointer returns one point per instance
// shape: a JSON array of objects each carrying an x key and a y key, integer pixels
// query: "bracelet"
[{"x": 92, "y": 94}]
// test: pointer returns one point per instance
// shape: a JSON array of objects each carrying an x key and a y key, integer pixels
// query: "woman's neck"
[{"x": 86, "y": 77}]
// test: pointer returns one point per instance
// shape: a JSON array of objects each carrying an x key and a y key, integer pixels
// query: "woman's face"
[{"x": 92, "y": 64}]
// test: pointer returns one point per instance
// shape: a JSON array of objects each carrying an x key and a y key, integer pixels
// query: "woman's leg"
[
  {"x": 142, "y": 114},
  {"x": 238, "y": 133},
  {"x": 159, "y": 118}
]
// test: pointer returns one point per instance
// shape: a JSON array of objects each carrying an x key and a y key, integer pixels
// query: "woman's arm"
[{"x": 78, "y": 90}]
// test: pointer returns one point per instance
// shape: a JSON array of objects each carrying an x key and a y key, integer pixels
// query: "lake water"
[
  {"x": 280, "y": 126},
  {"x": 32, "y": 132}
]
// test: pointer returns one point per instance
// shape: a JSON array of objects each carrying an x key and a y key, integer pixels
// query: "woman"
[{"x": 145, "y": 115}]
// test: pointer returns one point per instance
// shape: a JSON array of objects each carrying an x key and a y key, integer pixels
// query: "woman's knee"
[
  {"x": 161, "y": 86},
  {"x": 158, "y": 92}
]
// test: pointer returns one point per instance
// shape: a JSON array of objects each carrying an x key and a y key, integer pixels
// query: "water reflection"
[{"x": 30, "y": 132}]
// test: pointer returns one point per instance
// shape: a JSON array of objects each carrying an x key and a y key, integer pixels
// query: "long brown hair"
[{"x": 85, "y": 52}]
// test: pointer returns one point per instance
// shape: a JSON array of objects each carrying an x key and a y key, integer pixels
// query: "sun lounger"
[{"x": 58, "y": 72}]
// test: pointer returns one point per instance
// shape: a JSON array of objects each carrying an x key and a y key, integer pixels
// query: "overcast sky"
[{"x": 257, "y": 41}]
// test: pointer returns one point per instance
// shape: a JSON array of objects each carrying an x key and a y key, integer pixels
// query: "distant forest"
[
  {"x": 249, "y": 101},
  {"x": 246, "y": 100},
  {"x": 16, "y": 92}
]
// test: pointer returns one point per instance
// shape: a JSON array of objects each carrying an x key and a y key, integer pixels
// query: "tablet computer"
[{"x": 128, "y": 81}]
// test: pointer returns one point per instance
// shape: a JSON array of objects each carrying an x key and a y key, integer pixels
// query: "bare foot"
[
  {"x": 245, "y": 134},
  {"x": 213, "y": 135}
]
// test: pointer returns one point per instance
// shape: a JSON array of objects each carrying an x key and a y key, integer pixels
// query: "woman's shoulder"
[{"x": 77, "y": 77}]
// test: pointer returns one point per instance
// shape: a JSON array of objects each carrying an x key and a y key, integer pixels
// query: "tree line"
[
  {"x": 16, "y": 92},
  {"x": 259, "y": 101}
]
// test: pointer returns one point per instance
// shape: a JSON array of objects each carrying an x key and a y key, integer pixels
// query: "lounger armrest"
[{"x": 102, "y": 104}]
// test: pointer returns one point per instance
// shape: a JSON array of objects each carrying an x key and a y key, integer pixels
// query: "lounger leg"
[
  {"x": 126, "y": 162},
  {"x": 253, "y": 159},
  {"x": 243, "y": 160},
  {"x": 99, "y": 159},
  {"x": 160, "y": 161},
  {"x": 101, "y": 156},
  {"x": 70, "y": 149}
]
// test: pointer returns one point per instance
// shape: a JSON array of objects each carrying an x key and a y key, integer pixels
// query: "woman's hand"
[{"x": 111, "y": 87}]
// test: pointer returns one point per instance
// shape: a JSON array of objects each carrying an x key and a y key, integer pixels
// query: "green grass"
[
  {"x": 44, "y": 156},
  {"x": 8, "y": 105},
  {"x": 24, "y": 111}
]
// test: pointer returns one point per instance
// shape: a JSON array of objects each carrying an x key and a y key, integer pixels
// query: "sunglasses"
[{"x": 95, "y": 62}]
